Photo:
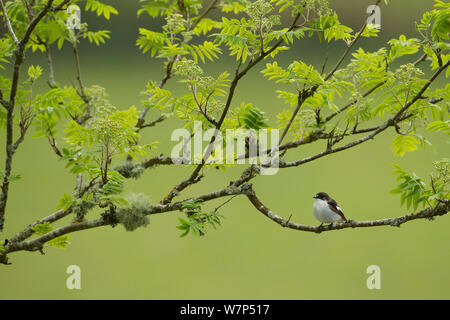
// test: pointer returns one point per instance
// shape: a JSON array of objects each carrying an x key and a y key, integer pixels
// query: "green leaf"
[
  {"x": 404, "y": 143},
  {"x": 65, "y": 202},
  {"x": 441, "y": 27},
  {"x": 100, "y": 8},
  {"x": 251, "y": 117},
  {"x": 403, "y": 46},
  {"x": 441, "y": 126},
  {"x": 151, "y": 41},
  {"x": 41, "y": 229},
  {"x": 60, "y": 242},
  {"x": 12, "y": 177},
  {"x": 34, "y": 72},
  {"x": 197, "y": 219},
  {"x": 97, "y": 37}
]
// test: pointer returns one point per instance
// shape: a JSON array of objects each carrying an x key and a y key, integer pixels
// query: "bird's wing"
[{"x": 333, "y": 206}]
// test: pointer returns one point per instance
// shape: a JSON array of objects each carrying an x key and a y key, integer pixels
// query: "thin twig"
[
  {"x": 349, "y": 47},
  {"x": 51, "y": 71},
  {"x": 9, "y": 26},
  {"x": 205, "y": 13},
  {"x": 224, "y": 203}
]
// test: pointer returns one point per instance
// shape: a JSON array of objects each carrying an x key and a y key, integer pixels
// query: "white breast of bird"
[{"x": 324, "y": 214}]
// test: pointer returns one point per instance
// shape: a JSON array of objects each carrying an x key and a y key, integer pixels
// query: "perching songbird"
[{"x": 326, "y": 209}]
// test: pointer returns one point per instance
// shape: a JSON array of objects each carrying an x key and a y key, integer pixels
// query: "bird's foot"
[{"x": 320, "y": 228}]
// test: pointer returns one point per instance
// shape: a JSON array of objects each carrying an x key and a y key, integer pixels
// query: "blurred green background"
[{"x": 249, "y": 257}]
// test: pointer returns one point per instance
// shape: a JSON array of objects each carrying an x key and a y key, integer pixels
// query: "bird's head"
[{"x": 321, "y": 196}]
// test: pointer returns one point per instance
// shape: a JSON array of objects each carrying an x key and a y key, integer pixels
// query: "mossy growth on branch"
[
  {"x": 135, "y": 215},
  {"x": 130, "y": 170}
]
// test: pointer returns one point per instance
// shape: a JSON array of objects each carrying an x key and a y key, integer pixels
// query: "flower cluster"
[
  {"x": 407, "y": 72},
  {"x": 175, "y": 23},
  {"x": 189, "y": 69},
  {"x": 258, "y": 11}
]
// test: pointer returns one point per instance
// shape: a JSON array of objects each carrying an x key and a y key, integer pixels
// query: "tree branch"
[
  {"x": 305, "y": 94},
  {"x": 349, "y": 47},
  {"x": 51, "y": 80},
  {"x": 28, "y": 231},
  {"x": 161, "y": 84},
  {"x": 205, "y": 13},
  {"x": 34, "y": 23},
  {"x": 61, "y": 5},
  {"x": 193, "y": 178},
  {"x": 369, "y": 92},
  {"x": 17, "y": 243},
  {"x": 19, "y": 59},
  {"x": 38, "y": 243},
  {"x": 376, "y": 130},
  {"x": 429, "y": 213},
  {"x": 154, "y": 123}
]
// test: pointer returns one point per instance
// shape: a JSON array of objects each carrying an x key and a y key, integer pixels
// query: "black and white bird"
[{"x": 326, "y": 209}]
